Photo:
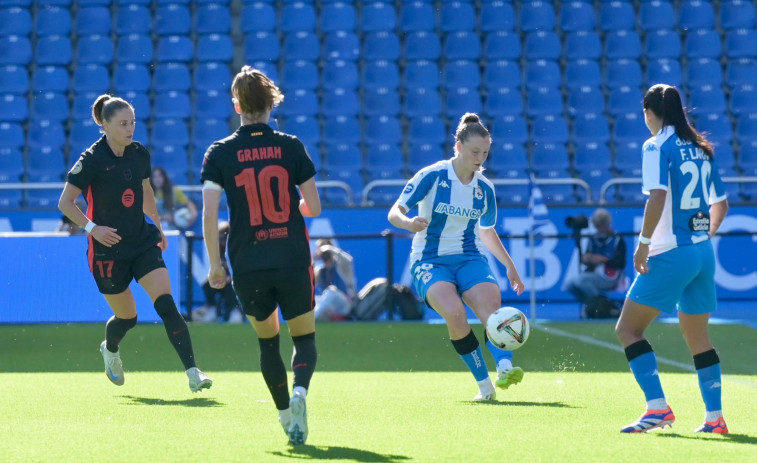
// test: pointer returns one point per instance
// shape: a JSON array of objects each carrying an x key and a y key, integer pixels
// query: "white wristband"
[
  {"x": 89, "y": 227},
  {"x": 645, "y": 240}
]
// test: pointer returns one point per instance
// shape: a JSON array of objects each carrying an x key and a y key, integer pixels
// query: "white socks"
[
  {"x": 713, "y": 416},
  {"x": 657, "y": 404},
  {"x": 504, "y": 365},
  {"x": 300, "y": 390}
]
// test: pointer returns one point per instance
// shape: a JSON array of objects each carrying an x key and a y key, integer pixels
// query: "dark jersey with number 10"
[{"x": 259, "y": 169}]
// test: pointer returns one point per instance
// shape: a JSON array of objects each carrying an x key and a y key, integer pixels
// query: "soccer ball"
[
  {"x": 507, "y": 328},
  {"x": 181, "y": 217}
]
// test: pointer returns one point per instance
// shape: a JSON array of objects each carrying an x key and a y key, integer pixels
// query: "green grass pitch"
[{"x": 383, "y": 392}]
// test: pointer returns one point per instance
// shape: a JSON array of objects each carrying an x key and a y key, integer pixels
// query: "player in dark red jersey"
[
  {"x": 269, "y": 250},
  {"x": 114, "y": 175}
]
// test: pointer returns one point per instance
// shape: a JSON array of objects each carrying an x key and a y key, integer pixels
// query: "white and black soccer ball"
[
  {"x": 507, "y": 328},
  {"x": 181, "y": 217}
]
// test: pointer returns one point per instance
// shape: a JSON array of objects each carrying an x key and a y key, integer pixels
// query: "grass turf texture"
[{"x": 382, "y": 393}]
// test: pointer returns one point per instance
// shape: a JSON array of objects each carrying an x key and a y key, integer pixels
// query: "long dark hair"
[
  {"x": 665, "y": 102},
  {"x": 166, "y": 189}
]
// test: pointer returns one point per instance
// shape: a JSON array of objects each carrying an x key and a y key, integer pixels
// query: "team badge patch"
[
  {"x": 77, "y": 168},
  {"x": 478, "y": 193}
]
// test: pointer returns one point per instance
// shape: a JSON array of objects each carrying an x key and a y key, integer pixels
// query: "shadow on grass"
[
  {"x": 735, "y": 438},
  {"x": 320, "y": 453},
  {"x": 517, "y": 404},
  {"x": 194, "y": 402}
]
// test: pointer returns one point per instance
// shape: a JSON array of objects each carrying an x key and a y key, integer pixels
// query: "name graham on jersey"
[
  {"x": 449, "y": 209},
  {"x": 258, "y": 154}
]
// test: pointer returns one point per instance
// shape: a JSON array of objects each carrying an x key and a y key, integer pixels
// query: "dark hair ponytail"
[
  {"x": 665, "y": 102},
  {"x": 470, "y": 124}
]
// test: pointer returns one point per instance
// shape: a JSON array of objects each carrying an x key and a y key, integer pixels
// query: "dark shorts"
[
  {"x": 114, "y": 276},
  {"x": 261, "y": 291}
]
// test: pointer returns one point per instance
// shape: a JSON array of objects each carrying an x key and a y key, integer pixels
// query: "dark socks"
[
  {"x": 274, "y": 371},
  {"x": 176, "y": 328},
  {"x": 115, "y": 330},
  {"x": 304, "y": 358}
]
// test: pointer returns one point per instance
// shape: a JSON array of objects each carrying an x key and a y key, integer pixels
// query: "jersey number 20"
[
  {"x": 261, "y": 201},
  {"x": 688, "y": 201}
]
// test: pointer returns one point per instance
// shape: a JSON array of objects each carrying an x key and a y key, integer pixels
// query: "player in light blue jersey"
[
  {"x": 674, "y": 258},
  {"x": 457, "y": 212}
]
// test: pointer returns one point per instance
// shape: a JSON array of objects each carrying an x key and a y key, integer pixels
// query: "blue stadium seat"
[
  {"x": 631, "y": 193},
  {"x": 306, "y": 128},
  {"x": 173, "y": 132},
  {"x": 461, "y": 73},
  {"x": 717, "y": 127},
  {"x": 383, "y": 129},
  {"x": 746, "y": 128},
  {"x": 42, "y": 198},
  {"x": 50, "y": 79},
  {"x": 741, "y": 72},
  {"x": 264, "y": 46},
  {"x": 497, "y": 16},
  {"x": 297, "y": 17},
  {"x": 707, "y": 99},
  {"x": 508, "y": 161},
  {"x": 629, "y": 127},
  {"x": 381, "y": 45},
  {"x": 52, "y": 106},
  {"x": 383, "y": 155},
  {"x": 11, "y": 165},
  {"x": 549, "y": 129},
  {"x": 81, "y": 105},
  {"x": 212, "y": 104},
  {"x": 583, "y": 72},
  {"x": 172, "y": 105},
  {"x": 382, "y": 101},
  {"x": 13, "y": 108},
  {"x": 590, "y": 156},
  {"x": 577, "y": 16},
  {"x": 616, "y": 16},
  {"x": 257, "y": 17},
  {"x": 300, "y": 74},
  {"x": 462, "y": 45},
  {"x": 503, "y": 101},
  {"x": 172, "y": 19},
  {"x": 662, "y": 43},
  {"x": 422, "y": 102},
  {"x": 664, "y": 71},
  {"x": 94, "y": 49},
  {"x": 93, "y": 20},
  {"x": 343, "y": 155},
  {"x": 52, "y": 20},
  {"x": 91, "y": 78},
  {"x": 737, "y": 14},
  {"x": 596, "y": 177},
  {"x": 422, "y": 74},
  {"x": 622, "y": 44},
  {"x": 509, "y": 195},
  {"x": 300, "y": 102},
  {"x": 211, "y": 76},
  {"x": 131, "y": 77},
  {"x": 703, "y": 43},
  {"x": 656, "y": 15},
  {"x": 297, "y": 46},
  {"x": 586, "y": 99},
  {"x": 502, "y": 73},
  {"x": 537, "y": 15},
  {"x": 44, "y": 132},
  {"x": 741, "y": 43},
  {"x": 422, "y": 155},
  {"x": 15, "y": 21},
  {"x": 205, "y": 131},
  {"x": 725, "y": 159},
  {"x": 422, "y": 46},
  {"x": 550, "y": 160},
  {"x": 623, "y": 72},
  {"x": 623, "y": 100},
  {"x": 705, "y": 71},
  {"x": 340, "y": 102},
  {"x": 215, "y": 47},
  {"x": 141, "y": 103},
  {"x": 173, "y": 159},
  {"x": 461, "y": 100},
  {"x": 54, "y": 50},
  {"x": 45, "y": 164},
  {"x": 582, "y": 45},
  {"x": 341, "y": 129},
  {"x": 381, "y": 73},
  {"x": 341, "y": 45},
  {"x": 14, "y": 79},
  {"x": 212, "y": 18},
  {"x": 352, "y": 176},
  {"x": 543, "y": 73},
  {"x": 11, "y": 135},
  {"x": 457, "y": 16},
  {"x": 83, "y": 133},
  {"x": 338, "y": 16},
  {"x": 174, "y": 48},
  {"x": 510, "y": 128},
  {"x": 133, "y": 19},
  {"x": 417, "y": 16},
  {"x": 696, "y": 15},
  {"x": 748, "y": 159},
  {"x": 502, "y": 45},
  {"x": 590, "y": 128},
  {"x": 268, "y": 68},
  {"x": 134, "y": 48},
  {"x": 341, "y": 74},
  {"x": 542, "y": 45},
  {"x": 378, "y": 16}
]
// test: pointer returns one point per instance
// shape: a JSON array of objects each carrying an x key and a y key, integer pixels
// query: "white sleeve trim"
[{"x": 208, "y": 185}]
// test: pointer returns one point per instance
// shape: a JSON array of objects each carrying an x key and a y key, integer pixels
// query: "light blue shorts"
[
  {"x": 464, "y": 271},
  {"x": 682, "y": 278}
]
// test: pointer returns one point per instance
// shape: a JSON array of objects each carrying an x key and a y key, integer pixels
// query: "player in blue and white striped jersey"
[
  {"x": 457, "y": 211},
  {"x": 674, "y": 257}
]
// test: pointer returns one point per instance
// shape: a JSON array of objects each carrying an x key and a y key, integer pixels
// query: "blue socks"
[
  {"x": 470, "y": 352},
  {"x": 643, "y": 363},
  {"x": 707, "y": 365},
  {"x": 499, "y": 354}
]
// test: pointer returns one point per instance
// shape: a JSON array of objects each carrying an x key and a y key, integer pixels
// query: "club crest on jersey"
[
  {"x": 478, "y": 193},
  {"x": 77, "y": 168},
  {"x": 127, "y": 174}
]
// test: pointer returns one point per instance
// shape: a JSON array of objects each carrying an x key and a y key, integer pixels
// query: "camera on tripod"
[{"x": 577, "y": 222}]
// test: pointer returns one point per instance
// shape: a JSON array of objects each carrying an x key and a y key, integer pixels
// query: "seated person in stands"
[
  {"x": 335, "y": 282},
  {"x": 175, "y": 208}
]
